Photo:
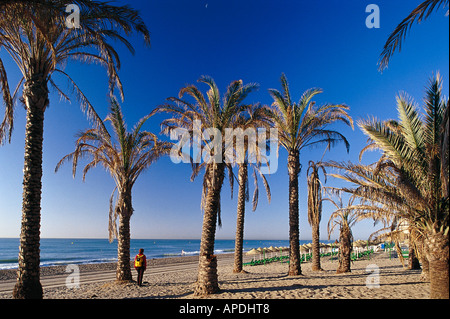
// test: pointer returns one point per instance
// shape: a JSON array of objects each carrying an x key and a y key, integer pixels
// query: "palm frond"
[{"x": 396, "y": 38}]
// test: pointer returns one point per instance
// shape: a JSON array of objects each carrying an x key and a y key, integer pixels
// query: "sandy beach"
[{"x": 171, "y": 278}]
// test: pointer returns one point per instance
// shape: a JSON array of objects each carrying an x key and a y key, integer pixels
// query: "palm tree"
[
  {"x": 415, "y": 151},
  {"x": 125, "y": 157},
  {"x": 301, "y": 125},
  {"x": 208, "y": 117},
  {"x": 409, "y": 178},
  {"x": 254, "y": 118},
  {"x": 344, "y": 218},
  {"x": 380, "y": 199},
  {"x": 315, "y": 209},
  {"x": 35, "y": 35},
  {"x": 395, "y": 39}
]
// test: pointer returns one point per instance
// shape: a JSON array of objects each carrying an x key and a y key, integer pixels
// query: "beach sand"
[{"x": 264, "y": 281}]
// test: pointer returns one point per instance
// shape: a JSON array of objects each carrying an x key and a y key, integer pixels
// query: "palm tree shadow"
[{"x": 262, "y": 289}]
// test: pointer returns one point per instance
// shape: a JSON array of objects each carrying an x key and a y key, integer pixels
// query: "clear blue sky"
[{"x": 322, "y": 44}]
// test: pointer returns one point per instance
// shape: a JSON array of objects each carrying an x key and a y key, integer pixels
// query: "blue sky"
[{"x": 322, "y": 44}]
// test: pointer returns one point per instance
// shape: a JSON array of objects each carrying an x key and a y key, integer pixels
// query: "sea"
[{"x": 63, "y": 251}]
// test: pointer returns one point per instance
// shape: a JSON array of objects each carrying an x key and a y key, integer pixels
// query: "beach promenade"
[{"x": 379, "y": 277}]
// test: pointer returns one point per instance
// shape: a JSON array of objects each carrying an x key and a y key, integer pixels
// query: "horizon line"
[{"x": 274, "y": 239}]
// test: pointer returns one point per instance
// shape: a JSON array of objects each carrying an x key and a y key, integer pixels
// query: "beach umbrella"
[
  {"x": 330, "y": 247},
  {"x": 282, "y": 249},
  {"x": 272, "y": 249},
  {"x": 261, "y": 250},
  {"x": 279, "y": 249},
  {"x": 252, "y": 252},
  {"x": 360, "y": 243}
]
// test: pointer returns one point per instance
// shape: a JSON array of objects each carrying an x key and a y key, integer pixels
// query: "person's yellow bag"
[{"x": 139, "y": 261}]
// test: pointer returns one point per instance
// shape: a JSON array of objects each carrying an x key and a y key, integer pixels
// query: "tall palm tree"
[
  {"x": 35, "y": 35},
  {"x": 315, "y": 209},
  {"x": 254, "y": 118},
  {"x": 209, "y": 116},
  {"x": 419, "y": 14},
  {"x": 125, "y": 157},
  {"x": 301, "y": 125},
  {"x": 413, "y": 149}
]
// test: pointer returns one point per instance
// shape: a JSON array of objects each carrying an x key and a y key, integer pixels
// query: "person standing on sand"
[{"x": 140, "y": 264}]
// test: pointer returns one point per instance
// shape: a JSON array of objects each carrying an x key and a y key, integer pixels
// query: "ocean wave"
[
  {"x": 10, "y": 260},
  {"x": 182, "y": 253},
  {"x": 193, "y": 253}
]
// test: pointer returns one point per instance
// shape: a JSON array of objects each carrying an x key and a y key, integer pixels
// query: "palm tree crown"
[
  {"x": 36, "y": 36},
  {"x": 302, "y": 124}
]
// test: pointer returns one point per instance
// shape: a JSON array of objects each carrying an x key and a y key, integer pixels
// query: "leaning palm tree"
[
  {"x": 125, "y": 157},
  {"x": 301, "y": 125},
  {"x": 408, "y": 178},
  {"x": 419, "y": 14},
  {"x": 199, "y": 120},
  {"x": 36, "y": 36},
  {"x": 252, "y": 119},
  {"x": 315, "y": 209}
]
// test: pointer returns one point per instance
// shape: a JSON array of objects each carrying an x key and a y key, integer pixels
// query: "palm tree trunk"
[
  {"x": 294, "y": 236},
  {"x": 242, "y": 177},
  {"x": 438, "y": 258},
  {"x": 316, "y": 248},
  {"x": 413, "y": 262},
  {"x": 123, "y": 241},
  {"x": 425, "y": 275},
  {"x": 28, "y": 286},
  {"x": 345, "y": 250},
  {"x": 207, "y": 281}
]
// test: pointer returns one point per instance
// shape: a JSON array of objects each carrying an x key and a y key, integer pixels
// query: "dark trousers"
[{"x": 140, "y": 271}]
